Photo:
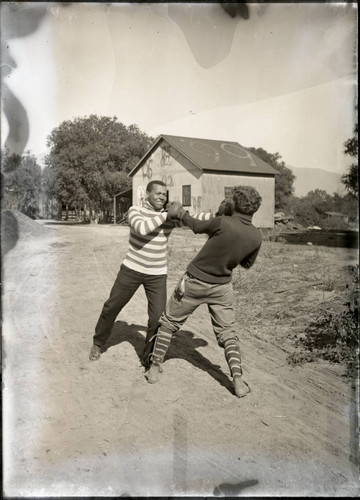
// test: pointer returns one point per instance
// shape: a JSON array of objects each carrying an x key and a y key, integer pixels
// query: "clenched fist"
[{"x": 174, "y": 210}]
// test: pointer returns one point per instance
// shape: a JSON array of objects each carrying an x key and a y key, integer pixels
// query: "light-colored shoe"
[
  {"x": 95, "y": 352},
  {"x": 241, "y": 387},
  {"x": 153, "y": 374}
]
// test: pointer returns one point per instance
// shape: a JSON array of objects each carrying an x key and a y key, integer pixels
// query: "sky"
[{"x": 284, "y": 78}]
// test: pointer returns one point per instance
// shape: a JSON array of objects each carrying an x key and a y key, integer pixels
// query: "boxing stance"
[{"x": 233, "y": 240}]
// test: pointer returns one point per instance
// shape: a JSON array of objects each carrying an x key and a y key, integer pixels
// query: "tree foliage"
[
  {"x": 311, "y": 210},
  {"x": 284, "y": 180},
  {"x": 21, "y": 181},
  {"x": 89, "y": 161},
  {"x": 351, "y": 178}
]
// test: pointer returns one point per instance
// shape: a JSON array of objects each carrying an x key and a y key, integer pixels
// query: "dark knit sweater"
[{"x": 232, "y": 241}]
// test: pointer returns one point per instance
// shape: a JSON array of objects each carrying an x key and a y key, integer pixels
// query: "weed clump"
[{"x": 333, "y": 336}]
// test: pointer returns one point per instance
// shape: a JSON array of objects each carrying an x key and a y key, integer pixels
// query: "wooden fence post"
[{"x": 114, "y": 209}]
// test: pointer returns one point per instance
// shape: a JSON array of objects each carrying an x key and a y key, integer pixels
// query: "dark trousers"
[{"x": 126, "y": 284}]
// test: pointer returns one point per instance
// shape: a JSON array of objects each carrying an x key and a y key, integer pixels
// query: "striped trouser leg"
[
  {"x": 161, "y": 345},
  {"x": 233, "y": 357}
]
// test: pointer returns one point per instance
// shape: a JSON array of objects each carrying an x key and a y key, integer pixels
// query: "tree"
[
  {"x": 310, "y": 210},
  {"x": 89, "y": 161},
  {"x": 284, "y": 180},
  {"x": 351, "y": 178},
  {"x": 21, "y": 182}
]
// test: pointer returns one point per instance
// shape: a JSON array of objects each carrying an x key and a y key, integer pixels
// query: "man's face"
[{"x": 157, "y": 196}]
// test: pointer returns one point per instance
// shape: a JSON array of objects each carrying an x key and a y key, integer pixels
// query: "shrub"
[{"x": 333, "y": 336}]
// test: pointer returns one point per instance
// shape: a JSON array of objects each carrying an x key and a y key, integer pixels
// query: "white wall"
[
  {"x": 169, "y": 166},
  {"x": 214, "y": 192},
  {"x": 207, "y": 190}
]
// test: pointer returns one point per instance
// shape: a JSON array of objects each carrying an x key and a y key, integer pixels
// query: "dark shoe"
[
  {"x": 95, "y": 352},
  {"x": 153, "y": 374},
  {"x": 241, "y": 387}
]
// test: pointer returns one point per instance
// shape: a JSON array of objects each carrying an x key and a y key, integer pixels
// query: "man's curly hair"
[{"x": 246, "y": 199}]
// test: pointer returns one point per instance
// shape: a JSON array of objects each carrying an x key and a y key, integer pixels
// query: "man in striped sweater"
[
  {"x": 145, "y": 264},
  {"x": 232, "y": 241}
]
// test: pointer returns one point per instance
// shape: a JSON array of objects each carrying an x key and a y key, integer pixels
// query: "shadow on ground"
[
  {"x": 233, "y": 490},
  {"x": 183, "y": 346}
]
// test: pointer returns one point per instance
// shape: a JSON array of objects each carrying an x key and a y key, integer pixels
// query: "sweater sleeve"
[
  {"x": 142, "y": 224},
  {"x": 201, "y": 226},
  {"x": 203, "y": 216},
  {"x": 250, "y": 259}
]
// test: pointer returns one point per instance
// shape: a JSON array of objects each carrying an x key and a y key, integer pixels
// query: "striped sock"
[
  {"x": 161, "y": 346},
  {"x": 233, "y": 358}
]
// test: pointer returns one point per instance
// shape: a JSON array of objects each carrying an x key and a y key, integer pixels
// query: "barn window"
[
  {"x": 186, "y": 196},
  {"x": 228, "y": 192}
]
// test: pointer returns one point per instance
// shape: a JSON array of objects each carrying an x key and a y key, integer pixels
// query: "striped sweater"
[{"x": 149, "y": 233}]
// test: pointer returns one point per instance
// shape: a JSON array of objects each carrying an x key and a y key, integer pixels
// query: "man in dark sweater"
[{"x": 232, "y": 241}]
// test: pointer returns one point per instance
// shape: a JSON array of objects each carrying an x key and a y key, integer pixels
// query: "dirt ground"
[{"x": 80, "y": 428}]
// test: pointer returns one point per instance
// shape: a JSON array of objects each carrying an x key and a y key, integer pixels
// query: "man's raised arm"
[
  {"x": 200, "y": 226},
  {"x": 202, "y": 222},
  {"x": 142, "y": 224}
]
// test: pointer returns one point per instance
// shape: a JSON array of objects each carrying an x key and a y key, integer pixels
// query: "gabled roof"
[{"x": 210, "y": 155}]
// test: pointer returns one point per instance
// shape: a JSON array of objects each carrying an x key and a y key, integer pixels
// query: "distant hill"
[{"x": 309, "y": 179}]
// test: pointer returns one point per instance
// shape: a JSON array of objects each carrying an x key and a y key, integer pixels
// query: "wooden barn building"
[{"x": 200, "y": 173}]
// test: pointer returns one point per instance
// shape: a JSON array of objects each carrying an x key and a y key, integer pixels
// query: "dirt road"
[{"x": 75, "y": 427}]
